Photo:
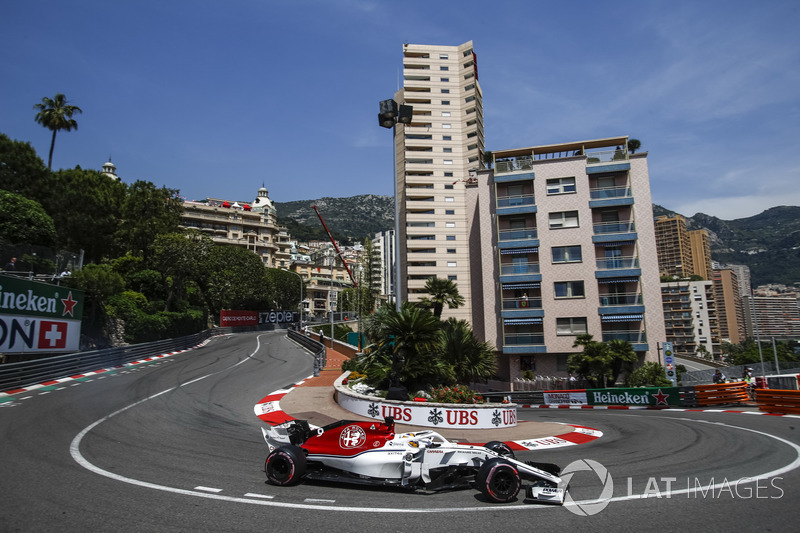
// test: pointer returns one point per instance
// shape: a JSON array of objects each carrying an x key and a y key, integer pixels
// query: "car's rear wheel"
[
  {"x": 500, "y": 448},
  {"x": 285, "y": 466},
  {"x": 498, "y": 480}
]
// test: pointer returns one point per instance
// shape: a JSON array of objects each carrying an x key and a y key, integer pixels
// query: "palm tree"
[
  {"x": 56, "y": 114},
  {"x": 623, "y": 357},
  {"x": 442, "y": 291},
  {"x": 633, "y": 145},
  {"x": 470, "y": 359}
]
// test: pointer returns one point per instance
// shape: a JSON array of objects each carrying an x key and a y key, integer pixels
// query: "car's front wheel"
[
  {"x": 285, "y": 466},
  {"x": 498, "y": 480}
]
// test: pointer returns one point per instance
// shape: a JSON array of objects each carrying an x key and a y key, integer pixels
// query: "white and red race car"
[{"x": 372, "y": 453}]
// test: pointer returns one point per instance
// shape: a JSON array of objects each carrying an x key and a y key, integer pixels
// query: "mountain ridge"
[{"x": 768, "y": 243}]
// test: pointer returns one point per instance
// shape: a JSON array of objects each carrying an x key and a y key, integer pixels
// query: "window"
[
  {"x": 451, "y": 263},
  {"x": 447, "y": 150},
  {"x": 444, "y": 79},
  {"x": 448, "y": 186},
  {"x": 448, "y": 161},
  {"x": 449, "y": 224},
  {"x": 452, "y": 277},
  {"x": 448, "y": 174},
  {"x": 567, "y": 254},
  {"x": 569, "y": 289},
  {"x": 446, "y": 91},
  {"x": 442, "y": 56},
  {"x": 564, "y": 219},
  {"x": 571, "y": 326},
  {"x": 445, "y": 113},
  {"x": 449, "y": 199},
  {"x": 447, "y": 126},
  {"x": 451, "y": 250},
  {"x": 444, "y": 68},
  {"x": 561, "y": 186},
  {"x": 447, "y": 138},
  {"x": 449, "y": 212},
  {"x": 445, "y": 102},
  {"x": 451, "y": 237}
]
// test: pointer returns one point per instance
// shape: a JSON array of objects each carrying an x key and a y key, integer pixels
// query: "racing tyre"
[
  {"x": 285, "y": 466},
  {"x": 498, "y": 480},
  {"x": 500, "y": 448}
]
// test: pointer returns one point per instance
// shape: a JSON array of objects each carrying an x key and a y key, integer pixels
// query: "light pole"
[
  {"x": 388, "y": 116},
  {"x": 301, "y": 292}
]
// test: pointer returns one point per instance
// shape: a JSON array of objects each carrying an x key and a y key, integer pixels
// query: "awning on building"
[
  {"x": 516, "y": 321},
  {"x": 529, "y": 250},
  {"x": 618, "y": 280},
  {"x": 531, "y": 285},
  {"x": 613, "y": 244},
  {"x": 621, "y": 318}
]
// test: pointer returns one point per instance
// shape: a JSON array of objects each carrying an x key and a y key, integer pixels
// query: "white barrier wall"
[{"x": 429, "y": 414}]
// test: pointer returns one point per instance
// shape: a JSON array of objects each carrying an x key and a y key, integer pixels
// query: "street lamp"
[
  {"x": 301, "y": 292},
  {"x": 389, "y": 115}
]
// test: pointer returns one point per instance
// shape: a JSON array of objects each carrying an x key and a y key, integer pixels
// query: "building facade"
[
  {"x": 674, "y": 247},
  {"x": 435, "y": 154},
  {"x": 730, "y": 310},
  {"x": 772, "y": 316},
  {"x": 690, "y": 317},
  {"x": 563, "y": 245},
  {"x": 701, "y": 253},
  {"x": 251, "y": 226}
]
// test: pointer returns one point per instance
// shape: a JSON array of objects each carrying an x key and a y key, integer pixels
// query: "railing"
[
  {"x": 603, "y": 228},
  {"x": 523, "y": 340},
  {"x": 609, "y": 192},
  {"x": 16, "y": 375},
  {"x": 513, "y": 165},
  {"x": 630, "y": 298},
  {"x": 632, "y": 336},
  {"x": 314, "y": 346},
  {"x": 522, "y": 303},
  {"x": 606, "y": 156},
  {"x": 517, "y": 234},
  {"x": 615, "y": 263},
  {"x": 519, "y": 268},
  {"x": 516, "y": 201}
]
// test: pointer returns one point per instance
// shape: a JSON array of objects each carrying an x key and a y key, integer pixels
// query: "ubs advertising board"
[{"x": 38, "y": 317}]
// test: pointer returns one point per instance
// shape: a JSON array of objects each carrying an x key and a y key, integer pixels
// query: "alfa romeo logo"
[
  {"x": 352, "y": 437},
  {"x": 591, "y": 507}
]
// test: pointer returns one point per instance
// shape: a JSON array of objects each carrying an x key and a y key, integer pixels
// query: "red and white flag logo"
[{"x": 52, "y": 335}]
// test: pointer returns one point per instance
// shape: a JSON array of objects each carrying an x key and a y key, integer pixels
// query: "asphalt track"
[{"x": 173, "y": 445}]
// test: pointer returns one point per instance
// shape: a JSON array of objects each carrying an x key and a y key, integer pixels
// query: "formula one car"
[{"x": 371, "y": 453}]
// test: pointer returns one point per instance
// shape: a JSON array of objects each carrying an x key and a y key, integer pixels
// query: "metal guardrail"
[
  {"x": 316, "y": 347},
  {"x": 25, "y": 373}
]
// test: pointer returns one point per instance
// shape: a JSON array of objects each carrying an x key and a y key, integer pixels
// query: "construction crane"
[{"x": 352, "y": 278}]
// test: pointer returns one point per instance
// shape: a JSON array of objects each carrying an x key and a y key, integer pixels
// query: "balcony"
[
  {"x": 514, "y": 164},
  {"x": 510, "y": 269},
  {"x": 610, "y": 196},
  {"x": 522, "y": 303},
  {"x": 633, "y": 336},
  {"x": 520, "y": 234},
  {"x": 630, "y": 298},
  {"x": 606, "y": 228},
  {"x": 523, "y": 342},
  {"x": 617, "y": 263},
  {"x": 517, "y": 204}
]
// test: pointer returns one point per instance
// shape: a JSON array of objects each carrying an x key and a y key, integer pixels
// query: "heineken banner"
[
  {"x": 638, "y": 396},
  {"x": 39, "y": 317}
]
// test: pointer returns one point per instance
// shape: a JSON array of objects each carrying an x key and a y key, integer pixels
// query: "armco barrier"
[
  {"x": 721, "y": 393},
  {"x": 15, "y": 375},
  {"x": 778, "y": 401}
]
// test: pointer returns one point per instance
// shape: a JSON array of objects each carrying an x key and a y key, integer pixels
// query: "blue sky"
[{"x": 215, "y": 98}]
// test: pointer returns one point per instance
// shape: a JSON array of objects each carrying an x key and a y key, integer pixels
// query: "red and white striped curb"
[
  {"x": 269, "y": 410},
  {"x": 51, "y": 382}
]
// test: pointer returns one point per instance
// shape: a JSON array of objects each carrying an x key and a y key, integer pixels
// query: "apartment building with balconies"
[
  {"x": 435, "y": 154},
  {"x": 690, "y": 317},
  {"x": 251, "y": 225},
  {"x": 563, "y": 244}
]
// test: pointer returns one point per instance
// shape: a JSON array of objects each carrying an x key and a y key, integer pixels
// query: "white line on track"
[
  {"x": 254, "y": 495},
  {"x": 81, "y": 460},
  {"x": 207, "y": 489}
]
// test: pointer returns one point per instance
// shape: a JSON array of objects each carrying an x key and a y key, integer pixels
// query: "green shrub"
[{"x": 455, "y": 394}]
